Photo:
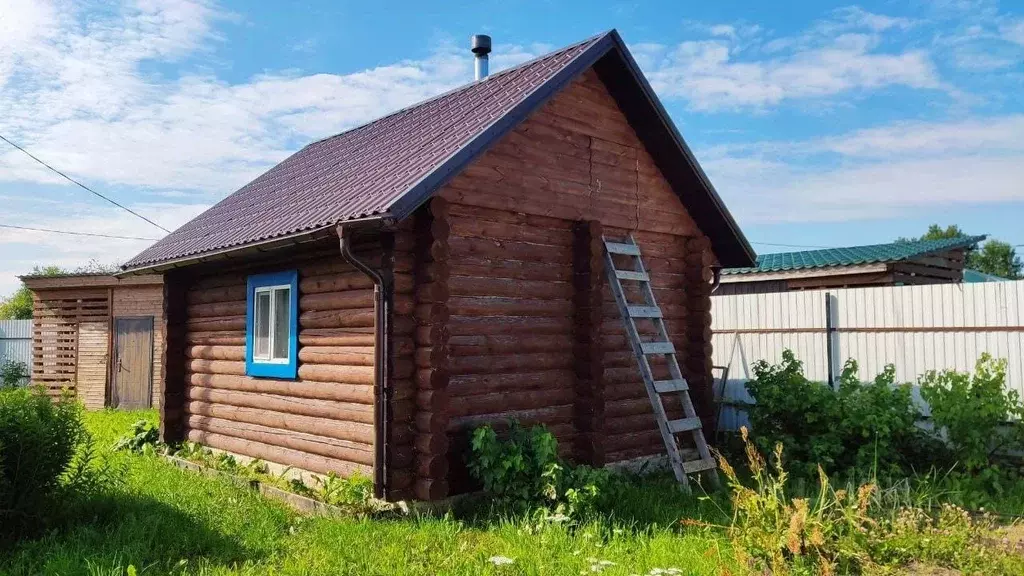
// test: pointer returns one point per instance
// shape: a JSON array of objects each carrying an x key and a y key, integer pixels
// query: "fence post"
[{"x": 831, "y": 346}]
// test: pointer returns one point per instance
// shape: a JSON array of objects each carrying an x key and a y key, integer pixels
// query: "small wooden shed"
[
  {"x": 895, "y": 264},
  {"x": 365, "y": 303},
  {"x": 99, "y": 336}
]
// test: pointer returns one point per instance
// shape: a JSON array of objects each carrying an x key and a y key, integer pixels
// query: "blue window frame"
[{"x": 272, "y": 324}]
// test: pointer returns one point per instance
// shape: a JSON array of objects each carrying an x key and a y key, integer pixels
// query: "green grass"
[{"x": 170, "y": 521}]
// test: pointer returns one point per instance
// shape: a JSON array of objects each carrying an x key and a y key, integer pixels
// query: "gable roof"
[
  {"x": 853, "y": 255},
  {"x": 389, "y": 167}
]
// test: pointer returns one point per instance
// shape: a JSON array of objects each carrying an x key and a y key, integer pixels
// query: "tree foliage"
[
  {"x": 994, "y": 257},
  {"x": 18, "y": 306}
]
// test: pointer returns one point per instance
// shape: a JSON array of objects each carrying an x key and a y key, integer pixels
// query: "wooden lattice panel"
[{"x": 55, "y": 342}]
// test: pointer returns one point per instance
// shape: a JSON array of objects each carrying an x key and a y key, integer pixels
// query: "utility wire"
[
  {"x": 75, "y": 233},
  {"x": 83, "y": 186}
]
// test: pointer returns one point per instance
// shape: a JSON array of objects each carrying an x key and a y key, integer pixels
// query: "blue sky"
[{"x": 821, "y": 124}]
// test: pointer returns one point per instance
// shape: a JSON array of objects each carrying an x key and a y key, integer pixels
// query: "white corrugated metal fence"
[{"x": 915, "y": 328}]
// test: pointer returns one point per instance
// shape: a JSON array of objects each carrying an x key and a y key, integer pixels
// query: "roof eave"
[{"x": 234, "y": 252}]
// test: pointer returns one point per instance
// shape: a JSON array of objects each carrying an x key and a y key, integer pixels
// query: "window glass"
[
  {"x": 261, "y": 338},
  {"x": 282, "y": 322}
]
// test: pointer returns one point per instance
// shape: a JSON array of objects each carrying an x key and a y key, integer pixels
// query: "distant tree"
[
  {"x": 998, "y": 259},
  {"x": 18, "y": 306},
  {"x": 936, "y": 232},
  {"x": 995, "y": 257}
]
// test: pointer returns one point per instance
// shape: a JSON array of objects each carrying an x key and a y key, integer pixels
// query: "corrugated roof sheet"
[
  {"x": 361, "y": 172},
  {"x": 853, "y": 255},
  {"x": 976, "y": 276}
]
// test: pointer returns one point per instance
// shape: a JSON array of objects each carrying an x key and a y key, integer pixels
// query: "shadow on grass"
[{"x": 111, "y": 532}]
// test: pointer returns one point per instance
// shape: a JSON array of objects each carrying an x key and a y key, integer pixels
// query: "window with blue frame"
[{"x": 272, "y": 325}]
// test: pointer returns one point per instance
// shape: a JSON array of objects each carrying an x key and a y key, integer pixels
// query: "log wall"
[
  {"x": 323, "y": 421},
  {"x": 534, "y": 331}
]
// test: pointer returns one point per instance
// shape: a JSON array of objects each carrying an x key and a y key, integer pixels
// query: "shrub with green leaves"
[
  {"x": 861, "y": 426},
  {"x": 45, "y": 457},
  {"x": 521, "y": 469},
  {"x": 12, "y": 373},
  {"x": 144, "y": 437},
  {"x": 977, "y": 414}
]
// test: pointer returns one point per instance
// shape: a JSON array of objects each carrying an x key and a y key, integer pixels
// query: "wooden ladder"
[{"x": 662, "y": 346}]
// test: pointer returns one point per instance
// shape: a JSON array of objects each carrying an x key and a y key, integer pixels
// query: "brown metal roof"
[{"x": 388, "y": 167}]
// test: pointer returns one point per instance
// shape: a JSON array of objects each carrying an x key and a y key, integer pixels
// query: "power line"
[
  {"x": 96, "y": 235},
  {"x": 83, "y": 186}
]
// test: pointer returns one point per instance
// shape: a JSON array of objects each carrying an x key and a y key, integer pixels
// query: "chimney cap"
[{"x": 481, "y": 44}]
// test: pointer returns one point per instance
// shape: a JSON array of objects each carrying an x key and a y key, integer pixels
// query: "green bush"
[
  {"x": 522, "y": 470},
  {"x": 976, "y": 414},
  {"x": 861, "y": 426},
  {"x": 12, "y": 372},
  {"x": 49, "y": 470}
]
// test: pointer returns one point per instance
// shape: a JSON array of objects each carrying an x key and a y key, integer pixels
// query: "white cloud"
[
  {"x": 1013, "y": 31},
  {"x": 76, "y": 91},
  {"x": 711, "y": 77},
  {"x": 875, "y": 173},
  {"x": 742, "y": 68},
  {"x": 76, "y": 96}
]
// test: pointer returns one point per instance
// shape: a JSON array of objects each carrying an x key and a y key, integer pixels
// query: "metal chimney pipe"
[{"x": 481, "y": 46}]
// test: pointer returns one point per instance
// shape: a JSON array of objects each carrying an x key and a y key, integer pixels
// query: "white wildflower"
[{"x": 500, "y": 560}]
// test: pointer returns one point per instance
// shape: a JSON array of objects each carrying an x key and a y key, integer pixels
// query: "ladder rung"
[
  {"x": 699, "y": 465},
  {"x": 657, "y": 348},
  {"x": 667, "y": 386},
  {"x": 628, "y": 249},
  {"x": 644, "y": 311},
  {"x": 683, "y": 425},
  {"x": 630, "y": 275}
]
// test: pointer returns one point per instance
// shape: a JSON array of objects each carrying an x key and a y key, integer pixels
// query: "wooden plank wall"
[
  {"x": 321, "y": 422},
  {"x": 91, "y": 373},
  {"x": 145, "y": 301},
  {"x": 56, "y": 315},
  {"x": 515, "y": 314}
]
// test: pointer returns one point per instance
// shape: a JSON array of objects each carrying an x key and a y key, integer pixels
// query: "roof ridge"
[{"x": 465, "y": 86}]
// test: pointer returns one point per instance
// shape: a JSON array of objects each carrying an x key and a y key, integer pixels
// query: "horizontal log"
[
  {"x": 337, "y": 336},
  {"x": 432, "y": 292},
  {"x": 347, "y": 300},
  {"x": 331, "y": 373},
  {"x": 512, "y": 288},
  {"x": 216, "y": 309},
  {"x": 221, "y": 294},
  {"x": 473, "y": 384},
  {"x": 225, "y": 323},
  {"x": 217, "y": 367},
  {"x": 216, "y": 352},
  {"x": 426, "y": 443},
  {"x": 512, "y": 269},
  {"x": 470, "y": 325},
  {"x": 278, "y": 455},
  {"x": 342, "y": 411},
  {"x": 342, "y": 430},
  {"x": 360, "y": 393},
  {"x": 339, "y": 355},
  {"x": 431, "y": 466},
  {"x": 215, "y": 338},
  {"x": 510, "y": 363},
  {"x": 308, "y": 443},
  {"x": 474, "y": 227},
  {"x": 354, "y": 318},
  {"x": 500, "y": 402},
  {"x": 432, "y": 378},
  {"x": 550, "y": 416},
  {"x": 335, "y": 282},
  {"x": 505, "y": 344}
]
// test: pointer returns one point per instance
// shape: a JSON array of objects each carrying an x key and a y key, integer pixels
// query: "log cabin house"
[
  {"x": 99, "y": 337},
  {"x": 896, "y": 264},
  {"x": 363, "y": 304}
]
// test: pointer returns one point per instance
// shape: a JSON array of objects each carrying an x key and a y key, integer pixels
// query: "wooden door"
[{"x": 132, "y": 384}]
